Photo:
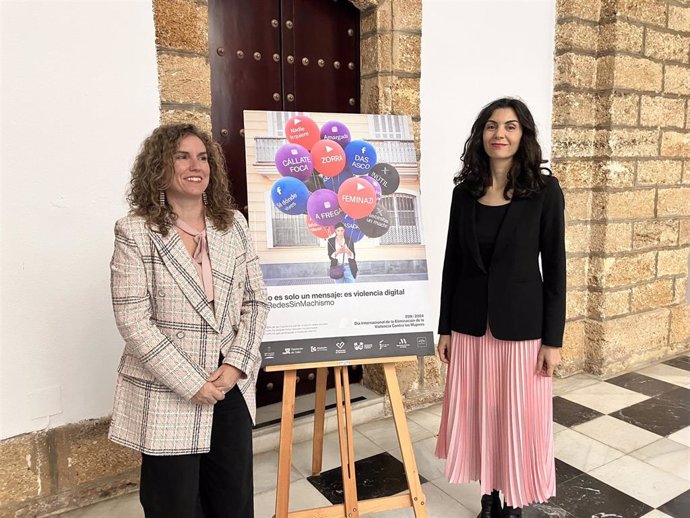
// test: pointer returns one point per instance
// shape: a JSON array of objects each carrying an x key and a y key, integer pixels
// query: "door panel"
[
  {"x": 290, "y": 30},
  {"x": 326, "y": 35},
  {"x": 244, "y": 74}
]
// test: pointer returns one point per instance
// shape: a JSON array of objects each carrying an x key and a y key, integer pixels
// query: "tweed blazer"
[{"x": 173, "y": 338}]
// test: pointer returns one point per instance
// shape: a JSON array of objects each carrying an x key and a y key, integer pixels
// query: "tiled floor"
[{"x": 622, "y": 449}]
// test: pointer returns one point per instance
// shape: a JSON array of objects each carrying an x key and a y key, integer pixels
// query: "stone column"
[{"x": 621, "y": 149}]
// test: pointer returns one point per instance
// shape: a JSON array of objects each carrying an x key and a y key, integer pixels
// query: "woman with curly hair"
[
  {"x": 502, "y": 319},
  {"x": 191, "y": 306}
]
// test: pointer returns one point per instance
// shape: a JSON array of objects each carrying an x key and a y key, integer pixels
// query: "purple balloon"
[
  {"x": 294, "y": 160},
  {"x": 337, "y": 131},
  {"x": 323, "y": 208},
  {"x": 352, "y": 230},
  {"x": 335, "y": 182},
  {"x": 377, "y": 186}
]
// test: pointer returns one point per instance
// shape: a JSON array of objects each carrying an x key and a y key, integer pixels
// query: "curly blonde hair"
[{"x": 152, "y": 171}]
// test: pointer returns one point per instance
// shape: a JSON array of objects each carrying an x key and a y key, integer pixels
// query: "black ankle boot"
[
  {"x": 491, "y": 506},
  {"x": 512, "y": 512}
]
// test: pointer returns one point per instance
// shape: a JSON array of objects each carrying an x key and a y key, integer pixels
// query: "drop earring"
[
  {"x": 204, "y": 198},
  {"x": 161, "y": 198}
]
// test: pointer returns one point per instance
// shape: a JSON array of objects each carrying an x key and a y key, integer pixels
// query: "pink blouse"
[{"x": 200, "y": 257}]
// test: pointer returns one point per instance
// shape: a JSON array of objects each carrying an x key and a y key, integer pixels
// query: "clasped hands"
[{"x": 221, "y": 381}]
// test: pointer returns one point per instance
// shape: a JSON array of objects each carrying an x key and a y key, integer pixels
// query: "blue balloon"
[
  {"x": 290, "y": 195},
  {"x": 360, "y": 156},
  {"x": 335, "y": 182},
  {"x": 352, "y": 230}
]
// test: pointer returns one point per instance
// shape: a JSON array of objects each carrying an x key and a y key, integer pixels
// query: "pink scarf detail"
[{"x": 201, "y": 259}]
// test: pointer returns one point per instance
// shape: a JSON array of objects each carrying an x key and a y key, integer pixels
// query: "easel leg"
[
  {"x": 319, "y": 420},
  {"x": 285, "y": 452},
  {"x": 345, "y": 435},
  {"x": 418, "y": 498}
]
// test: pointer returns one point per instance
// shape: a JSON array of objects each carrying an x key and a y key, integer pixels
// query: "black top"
[
  {"x": 518, "y": 301},
  {"x": 488, "y": 220}
]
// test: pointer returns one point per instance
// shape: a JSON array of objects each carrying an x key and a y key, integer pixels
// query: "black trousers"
[{"x": 217, "y": 484}]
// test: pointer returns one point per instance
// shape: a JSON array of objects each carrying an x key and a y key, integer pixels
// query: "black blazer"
[
  {"x": 351, "y": 261},
  {"x": 511, "y": 294}
]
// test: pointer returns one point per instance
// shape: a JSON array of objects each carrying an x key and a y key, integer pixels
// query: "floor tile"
[
  {"x": 125, "y": 506},
  {"x": 641, "y": 480},
  {"x": 656, "y": 514},
  {"x": 435, "y": 409},
  {"x": 582, "y": 452},
  {"x": 469, "y": 495},
  {"x": 667, "y": 455},
  {"x": 682, "y": 362},
  {"x": 558, "y": 427},
  {"x": 678, "y": 507},
  {"x": 604, "y": 397},
  {"x": 569, "y": 414},
  {"x": 383, "y": 434},
  {"x": 667, "y": 373},
  {"x": 302, "y": 496},
  {"x": 428, "y": 465},
  {"x": 679, "y": 396},
  {"x": 641, "y": 383},
  {"x": 585, "y": 496},
  {"x": 302, "y": 452},
  {"x": 266, "y": 471},
  {"x": 546, "y": 510},
  {"x": 565, "y": 472},
  {"x": 564, "y": 385},
  {"x": 440, "y": 504},
  {"x": 425, "y": 419},
  {"x": 616, "y": 433},
  {"x": 661, "y": 414},
  {"x": 398, "y": 513},
  {"x": 682, "y": 436},
  {"x": 377, "y": 476}
]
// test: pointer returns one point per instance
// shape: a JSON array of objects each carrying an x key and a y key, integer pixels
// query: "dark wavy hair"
[
  {"x": 524, "y": 177},
  {"x": 152, "y": 171}
]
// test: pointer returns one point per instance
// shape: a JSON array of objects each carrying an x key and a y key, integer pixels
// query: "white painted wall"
[
  {"x": 475, "y": 51},
  {"x": 79, "y": 94}
]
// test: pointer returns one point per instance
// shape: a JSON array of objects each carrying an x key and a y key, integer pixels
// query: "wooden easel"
[{"x": 352, "y": 507}]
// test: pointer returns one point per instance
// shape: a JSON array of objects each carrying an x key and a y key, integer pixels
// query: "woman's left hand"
[
  {"x": 548, "y": 359},
  {"x": 225, "y": 377}
]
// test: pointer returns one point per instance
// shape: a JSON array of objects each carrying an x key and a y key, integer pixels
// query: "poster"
[{"x": 335, "y": 215}]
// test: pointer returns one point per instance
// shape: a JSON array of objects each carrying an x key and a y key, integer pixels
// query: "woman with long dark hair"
[{"x": 502, "y": 314}]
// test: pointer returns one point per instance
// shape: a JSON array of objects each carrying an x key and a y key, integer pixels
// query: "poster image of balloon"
[{"x": 334, "y": 212}]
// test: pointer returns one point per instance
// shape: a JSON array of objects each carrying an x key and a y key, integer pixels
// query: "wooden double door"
[{"x": 280, "y": 55}]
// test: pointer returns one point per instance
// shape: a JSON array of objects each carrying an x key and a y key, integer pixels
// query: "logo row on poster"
[{"x": 403, "y": 344}]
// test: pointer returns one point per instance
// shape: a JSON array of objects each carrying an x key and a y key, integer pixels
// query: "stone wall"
[
  {"x": 621, "y": 148},
  {"x": 66, "y": 467},
  {"x": 184, "y": 71}
]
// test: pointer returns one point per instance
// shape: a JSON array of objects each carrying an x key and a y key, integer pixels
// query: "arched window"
[{"x": 404, "y": 229}]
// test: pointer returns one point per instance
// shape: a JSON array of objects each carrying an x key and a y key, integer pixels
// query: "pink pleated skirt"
[{"x": 496, "y": 425}]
